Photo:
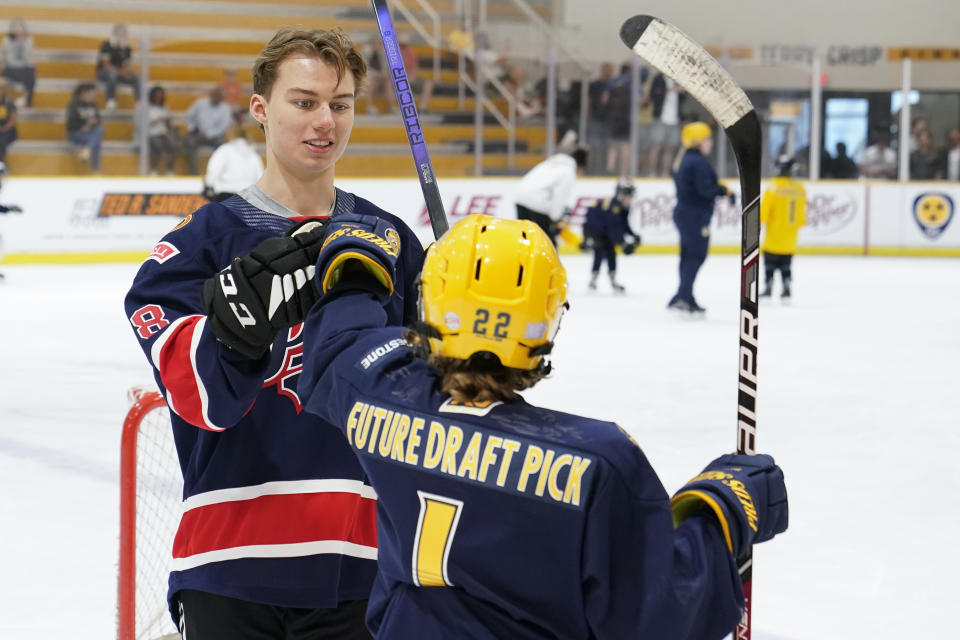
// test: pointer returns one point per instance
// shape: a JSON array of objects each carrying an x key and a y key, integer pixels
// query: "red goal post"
[{"x": 151, "y": 488}]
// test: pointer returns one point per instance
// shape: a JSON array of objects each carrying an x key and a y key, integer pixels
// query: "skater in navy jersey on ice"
[
  {"x": 606, "y": 227},
  {"x": 278, "y": 534},
  {"x": 497, "y": 518},
  {"x": 697, "y": 188}
]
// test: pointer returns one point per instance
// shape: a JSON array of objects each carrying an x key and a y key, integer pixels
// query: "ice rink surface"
[{"x": 859, "y": 402}]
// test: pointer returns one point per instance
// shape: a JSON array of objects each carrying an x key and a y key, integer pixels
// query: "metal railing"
[
  {"x": 434, "y": 38},
  {"x": 509, "y": 122}
]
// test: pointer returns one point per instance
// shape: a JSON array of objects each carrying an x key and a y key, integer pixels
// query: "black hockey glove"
[
  {"x": 264, "y": 292},
  {"x": 364, "y": 242},
  {"x": 745, "y": 493}
]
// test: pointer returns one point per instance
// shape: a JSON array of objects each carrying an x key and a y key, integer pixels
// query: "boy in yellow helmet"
[
  {"x": 496, "y": 518},
  {"x": 783, "y": 210}
]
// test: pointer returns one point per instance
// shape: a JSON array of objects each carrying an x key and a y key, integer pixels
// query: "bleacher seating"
[{"x": 191, "y": 45}]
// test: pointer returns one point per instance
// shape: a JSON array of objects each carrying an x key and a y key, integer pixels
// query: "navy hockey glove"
[
  {"x": 264, "y": 292},
  {"x": 363, "y": 241},
  {"x": 747, "y": 495}
]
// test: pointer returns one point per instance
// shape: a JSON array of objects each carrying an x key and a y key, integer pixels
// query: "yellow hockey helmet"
[
  {"x": 694, "y": 134},
  {"x": 493, "y": 285}
]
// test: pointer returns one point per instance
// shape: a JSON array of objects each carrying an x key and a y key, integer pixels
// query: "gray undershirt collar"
[{"x": 259, "y": 198}]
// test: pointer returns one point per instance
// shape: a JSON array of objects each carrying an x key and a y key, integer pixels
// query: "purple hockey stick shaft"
[{"x": 411, "y": 119}]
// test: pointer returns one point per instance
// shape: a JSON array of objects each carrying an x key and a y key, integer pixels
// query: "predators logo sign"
[{"x": 933, "y": 212}]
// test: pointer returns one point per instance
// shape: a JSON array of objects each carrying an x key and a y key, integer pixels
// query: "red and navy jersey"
[
  {"x": 506, "y": 520},
  {"x": 276, "y": 508}
]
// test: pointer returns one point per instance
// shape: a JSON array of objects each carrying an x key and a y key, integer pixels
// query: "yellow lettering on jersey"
[
  {"x": 553, "y": 487},
  {"x": 571, "y": 494},
  {"x": 489, "y": 456},
  {"x": 435, "y": 441},
  {"x": 531, "y": 464},
  {"x": 379, "y": 415},
  {"x": 510, "y": 447},
  {"x": 360, "y": 436},
  {"x": 357, "y": 409},
  {"x": 386, "y": 436},
  {"x": 414, "y": 441},
  {"x": 454, "y": 440},
  {"x": 471, "y": 457},
  {"x": 544, "y": 471},
  {"x": 400, "y": 438}
]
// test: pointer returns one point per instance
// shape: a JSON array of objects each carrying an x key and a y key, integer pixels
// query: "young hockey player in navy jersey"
[
  {"x": 606, "y": 227},
  {"x": 278, "y": 534},
  {"x": 496, "y": 518}
]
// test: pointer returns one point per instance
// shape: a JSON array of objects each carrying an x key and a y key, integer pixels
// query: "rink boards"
[{"x": 120, "y": 219}]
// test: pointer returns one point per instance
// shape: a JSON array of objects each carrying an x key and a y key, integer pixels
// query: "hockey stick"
[
  {"x": 677, "y": 56},
  {"x": 411, "y": 119}
]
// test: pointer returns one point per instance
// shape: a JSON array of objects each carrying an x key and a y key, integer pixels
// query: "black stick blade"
[{"x": 633, "y": 28}]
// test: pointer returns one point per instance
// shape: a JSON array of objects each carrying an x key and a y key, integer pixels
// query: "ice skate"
[
  {"x": 593, "y": 281},
  {"x": 617, "y": 287}
]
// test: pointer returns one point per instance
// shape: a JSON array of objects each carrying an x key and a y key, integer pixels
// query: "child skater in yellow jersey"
[{"x": 783, "y": 210}]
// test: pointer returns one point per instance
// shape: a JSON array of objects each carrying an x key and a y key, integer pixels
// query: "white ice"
[{"x": 859, "y": 402}]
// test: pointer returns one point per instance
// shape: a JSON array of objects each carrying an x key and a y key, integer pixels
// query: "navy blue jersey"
[
  {"x": 607, "y": 219},
  {"x": 697, "y": 188},
  {"x": 506, "y": 520},
  {"x": 276, "y": 508}
]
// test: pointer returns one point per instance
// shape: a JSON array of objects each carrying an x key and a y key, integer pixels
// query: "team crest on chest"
[{"x": 285, "y": 378}]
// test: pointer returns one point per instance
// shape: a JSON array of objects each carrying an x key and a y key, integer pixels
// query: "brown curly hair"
[{"x": 480, "y": 378}]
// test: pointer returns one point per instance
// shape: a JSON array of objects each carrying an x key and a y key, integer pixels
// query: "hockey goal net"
[{"x": 151, "y": 489}]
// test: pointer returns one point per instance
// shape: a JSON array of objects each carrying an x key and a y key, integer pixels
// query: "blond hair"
[{"x": 333, "y": 46}]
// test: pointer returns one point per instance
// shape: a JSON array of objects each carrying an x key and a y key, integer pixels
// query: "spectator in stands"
[
  {"x": 666, "y": 96},
  {"x": 879, "y": 160},
  {"x": 378, "y": 80},
  {"x": 422, "y": 86},
  {"x": 162, "y": 136},
  {"x": 114, "y": 65},
  {"x": 208, "y": 119},
  {"x": 18, "y": 64},
  {"x": 617, "y": 99},
  {"x": 84, "y": 126},
  {"x": 523, "y": 91},
  {"x": 951, "y": 157},
  {"x": 234, "y": 95},
  {"x": 233, "y": 166},
  {"x": 8, "y": 121},
  {"x": 598, "y": 129},
  {"x": 842, "y": 166},
  {"x": 645, "y": 122},
  {"x": 494, "y": 63},
  {"x": 917, "y": 129},
  {"x": 925, "y": 162}
]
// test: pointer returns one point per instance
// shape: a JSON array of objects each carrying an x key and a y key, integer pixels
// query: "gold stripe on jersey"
[{"x": 477, "y": 455}]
